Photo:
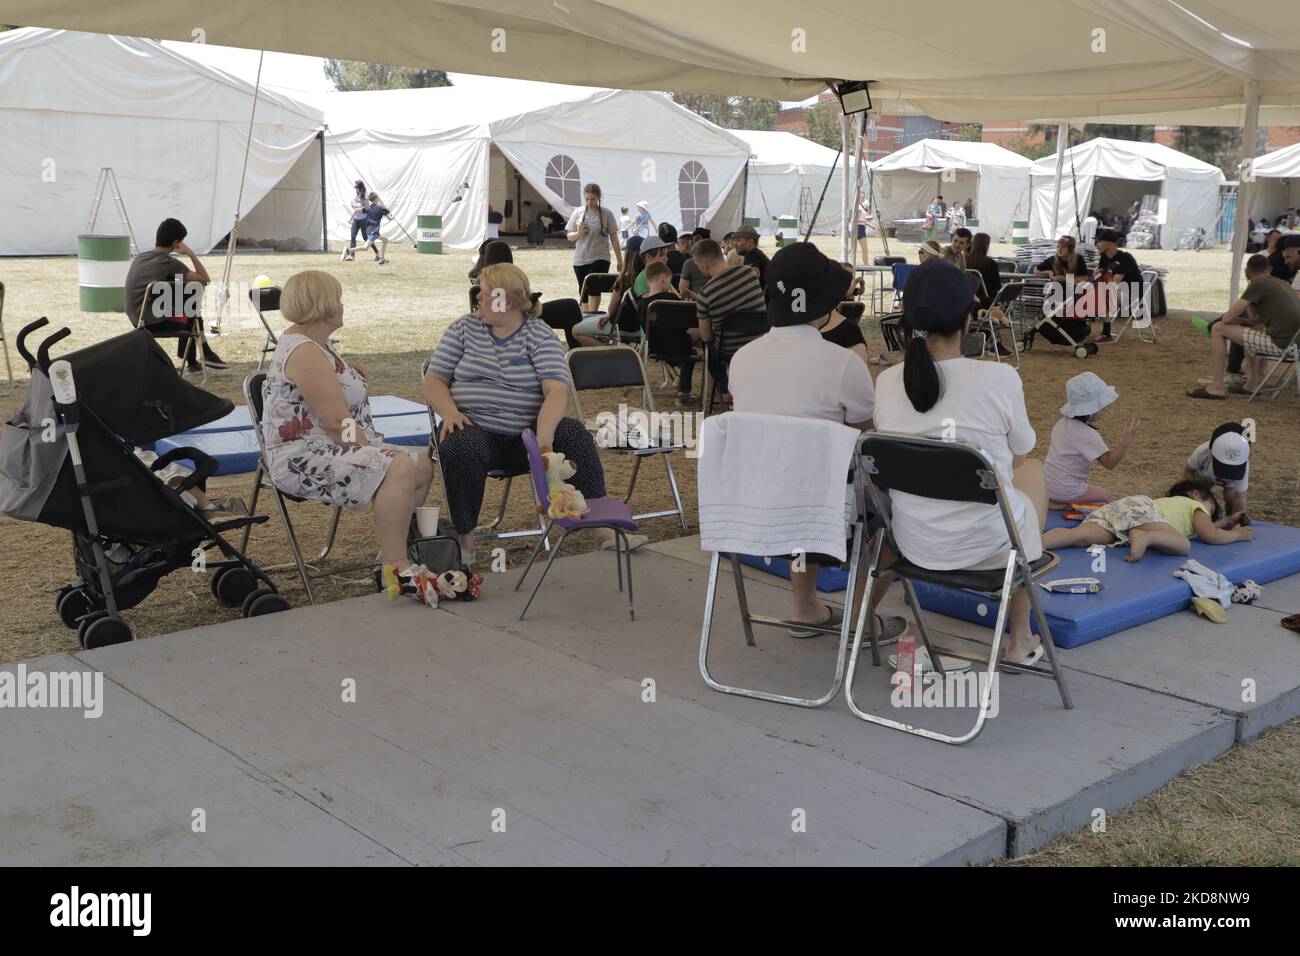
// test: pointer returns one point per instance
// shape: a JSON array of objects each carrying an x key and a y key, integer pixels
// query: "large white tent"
[
  {"x": 1276, "y": 182},
  {"x": 440, "y": 152},
  {"x": 174, "y": 133},
  {"x": 787, "y": 174},
  {"x": 1111, "y": 174},
  {"x": 995, "y": 180}
]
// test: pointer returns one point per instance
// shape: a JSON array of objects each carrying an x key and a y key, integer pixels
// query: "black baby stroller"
[
  {"x": 1050, "y": 320},
  {"x": 67, "y": 460}
]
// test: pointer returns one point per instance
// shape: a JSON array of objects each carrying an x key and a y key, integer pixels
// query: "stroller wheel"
[
  {"x": 100, "y": 630},
  {"x": 73, "y": 604},
  {"x": 1093, "y": 348},
  {"x": 264, "y": 601},
  {"x": 231, "y": 585},
  {"x": 1081, "y": 351}
]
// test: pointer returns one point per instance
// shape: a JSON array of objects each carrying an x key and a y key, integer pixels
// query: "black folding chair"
[
  {"x": 891, "y": 330},
  {"x": 738, "y": 324},
  {"x": 1004, "y": 301},
  {"x": 667, "y": 339},
  {"x": 853, "y": 311},
  {"x": 955, "y": 471},
  {"x": 262, "y": 479},
  {"x": 618, "y": 366}
]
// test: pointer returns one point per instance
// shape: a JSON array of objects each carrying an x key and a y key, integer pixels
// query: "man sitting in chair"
[
  {"x": 956, "y": 251},
  {"x": 165, "y": 296},
  {"x": 793, "y": 371},
  {"x": 730, "y": 290}
]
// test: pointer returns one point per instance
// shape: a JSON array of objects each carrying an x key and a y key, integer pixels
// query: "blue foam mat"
[
  {"x": 1134, "y": 593},
  {"x": 235, "y": 452},
  {"x": 412, "y": 429},
  {"x": 381, "y": 406},
  {"x": 828, "y": 579}
]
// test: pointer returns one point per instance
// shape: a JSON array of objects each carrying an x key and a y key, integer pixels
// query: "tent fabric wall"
[
  {"x": 72, "y": 103},
  {"x": 995, "y": 178},
  {"x": 636, "y": 145},
  {"x": 1190, "y": 186},
  {"x": 1277, "y": 182},
  {"x": 781, "y": 166},
  {"x": 289, "y": 215}
]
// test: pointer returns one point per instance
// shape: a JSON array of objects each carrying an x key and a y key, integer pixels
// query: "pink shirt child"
[{"x": 1075, "y": 446}]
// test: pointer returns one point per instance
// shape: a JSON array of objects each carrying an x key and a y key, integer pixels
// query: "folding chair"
[
  {"x": 1287, "y": 356},
  {"x": 486, "y": 532},
  {"x": 891, "y": 330},
  {"x": 265, "y": 300},
  {"x": 261, "y": 479},
  {"x": 738, "y": 324},
  {"x": 604, "y": 512},
  {"x": 9, "y": 369},
  {"x": 853, "y": 311},
  {"x": 899, "y": 272},
  {"x": 596, "y": 283},
  {"x": 617, "y": 366},
  {"x": 955, "y": 471},
  {"x": 667, "y": 335},
  {"x": 856, "y": 532},
  {"x": 1004, "y": 300},
  {"x": 1140, "y": 318}
]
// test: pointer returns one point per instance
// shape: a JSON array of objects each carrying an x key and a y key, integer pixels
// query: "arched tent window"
[
  {"x": 563, "y": 179},
  {"x": 693, "y": 191}
]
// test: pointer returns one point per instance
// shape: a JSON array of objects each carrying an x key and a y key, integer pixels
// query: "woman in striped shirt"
[{"x": 494, "y": 373}]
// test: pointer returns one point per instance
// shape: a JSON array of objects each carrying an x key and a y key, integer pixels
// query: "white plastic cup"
[{"x": 426, "y": 520}]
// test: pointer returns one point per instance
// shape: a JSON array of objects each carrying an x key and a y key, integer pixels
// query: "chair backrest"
[
  {"x": 901, "y": 270},
  {"x": 888, "y": 260},
  {"x": 561, "y": 313},
  {"x": 853, "y": 311},
  {"x": 253, "y": 395},
  {"x": 930, "y": 468},
  {"x": 627, "y": 318},
  {"x": 536, "y": 469},
  {"x": 598, "y": 283},
  {"x": 976, "y": 282},
  {"x": 266, "y": 298},
  {"x": 606, "y": 366},
  {"x": 1009, "y": 292},
  {"x": 667, "y": 325}
]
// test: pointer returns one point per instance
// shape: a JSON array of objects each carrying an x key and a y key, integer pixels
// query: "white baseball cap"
[{"x": 1229, "y": 451}]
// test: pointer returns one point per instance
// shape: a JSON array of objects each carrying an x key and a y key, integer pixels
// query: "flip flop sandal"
[
  {"x": 1034, "y": 657},
  {"x": 1210, "y": 609},
  {"x": 1291, "y": 622},
  {"x": 1238, "y": 390},
  {"x": 889, "y": 629},
  {"x": 831, "y": 625},
  {"x": 1200, "y": 392}
]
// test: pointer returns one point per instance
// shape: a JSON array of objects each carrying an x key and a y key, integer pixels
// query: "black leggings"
[
  {"x": 470, "y": 453},
  {"x": 600, "y": 265},
  {"x": 357, "y": 225},
  {"x": 184, "y": 335}
]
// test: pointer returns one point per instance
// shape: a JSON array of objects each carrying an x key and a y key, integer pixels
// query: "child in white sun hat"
[{"x": 1076, "y": 443}]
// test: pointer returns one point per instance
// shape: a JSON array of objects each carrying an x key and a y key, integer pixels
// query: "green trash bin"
[
  {"x": 788, "y": 226},
  {"x": 1020, "y": 232},
  {"x": 102, "y": 262},
  {"x": 428, "y": 234},
  {"x": 751, "y": 221}
]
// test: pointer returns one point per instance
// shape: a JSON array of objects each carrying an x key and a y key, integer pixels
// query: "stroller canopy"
[{"x": 131, "y": 384}]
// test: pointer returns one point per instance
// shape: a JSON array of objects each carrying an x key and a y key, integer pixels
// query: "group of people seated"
[{"x": 1110, "y": 291}]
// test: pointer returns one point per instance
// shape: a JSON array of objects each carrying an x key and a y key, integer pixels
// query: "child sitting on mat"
[
  {"x": 1163, "y": 524},
  {"x": 1076, "y": 444}
]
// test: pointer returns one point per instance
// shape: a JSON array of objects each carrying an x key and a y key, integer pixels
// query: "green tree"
[
  {"x": 1216, "y": 145},
  {"x": 971, "y": 133},
  {"x": 1030, "y": 150},
  {"x": 731, "y": 112},
  {"x": 823, "y": 123},
  {"x": 351, "y": 75},
  {"x": 1139, "y": 134}
]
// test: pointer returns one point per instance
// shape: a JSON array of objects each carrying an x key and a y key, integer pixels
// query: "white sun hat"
[{"x": 1086, "y": 394}]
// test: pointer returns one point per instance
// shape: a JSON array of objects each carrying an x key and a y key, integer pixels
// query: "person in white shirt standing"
[
  {"x": 936, "y": 393},
  {"x": 793, "y": 371},
  {"x": 1089, "y": 232}
]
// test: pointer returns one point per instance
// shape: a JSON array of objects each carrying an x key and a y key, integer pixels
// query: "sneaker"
[
  {"x": 688, "y": 401},
  {"x": 416, "y": 582},
  {"x": 345, "y": 256},
  {"x": 211, "y": 359},
  {"x": 382, "y": 262}
]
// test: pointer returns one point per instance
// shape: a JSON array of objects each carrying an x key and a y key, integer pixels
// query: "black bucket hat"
[{"x": 803, "y": 284}]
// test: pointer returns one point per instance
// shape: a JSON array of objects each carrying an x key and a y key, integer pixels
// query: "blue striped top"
[{"x": 497, "y": 383}]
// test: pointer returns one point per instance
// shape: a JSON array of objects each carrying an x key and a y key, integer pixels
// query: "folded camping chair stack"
[
  {"x": 950, "y": 471},
  {"x": 720, "y": 524}
]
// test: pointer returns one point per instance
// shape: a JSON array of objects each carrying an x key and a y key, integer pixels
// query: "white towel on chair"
[{"x": 774, "y": 484}]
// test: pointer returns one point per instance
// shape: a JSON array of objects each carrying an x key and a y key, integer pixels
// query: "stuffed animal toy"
[
  {"x": 1247, "y": 592},
  {"x": 459, "y": 585},
  {"x": 566, "y": 500}
]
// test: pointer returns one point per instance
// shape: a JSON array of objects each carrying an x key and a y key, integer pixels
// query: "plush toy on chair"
[{"x": 566, "y": 500}]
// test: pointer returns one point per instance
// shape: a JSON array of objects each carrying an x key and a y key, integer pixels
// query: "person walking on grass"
[{"x": 374, "y": 212}]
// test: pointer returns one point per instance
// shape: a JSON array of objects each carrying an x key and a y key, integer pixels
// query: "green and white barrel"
[
  {"x": 788, "y": 226},
  {"x": 973, "y": 223},
  {"x": 102, "y": 262},
  {"x": 1020, "y": 232},
  {"x": 751, "y": 221},
  {"x": 428, "y": 234}
]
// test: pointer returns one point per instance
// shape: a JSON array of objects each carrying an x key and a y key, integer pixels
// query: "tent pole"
[
  {"x": 845, "y": 227},
  {"x": 852, "y": 203},
  {"x": 1062, "y": 134},
  {"x": 1241, "y": 225},
  {"x": 223, "y": 293},
  {"x": 324, "y": 215}
]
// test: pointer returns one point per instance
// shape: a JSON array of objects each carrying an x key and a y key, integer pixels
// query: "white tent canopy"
[
  {"x": 1110, "y": 174},
  {"x": 173, "y": 131},
  {"x": 1276, "y": 182},
  {"x": 786, "y": 176},
  {"x": 421, "y": 149},
  {"x": 995, "y": 180}
]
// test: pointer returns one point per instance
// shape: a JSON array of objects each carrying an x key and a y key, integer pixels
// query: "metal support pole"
[
  {"x": 1245, "y": 177},
  {"x": 1062, "y": 135}
]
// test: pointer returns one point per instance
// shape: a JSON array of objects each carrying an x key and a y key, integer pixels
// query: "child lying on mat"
[
  {"x": 1163, "y": 524},
  {"x": 1076, "y": 443}
]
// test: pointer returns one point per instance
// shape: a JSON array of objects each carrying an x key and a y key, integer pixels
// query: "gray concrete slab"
[
  {"x": 455, "y": 721},
  {"x": 1040, "y": 767},
  {"x": 121, "y": 789}
]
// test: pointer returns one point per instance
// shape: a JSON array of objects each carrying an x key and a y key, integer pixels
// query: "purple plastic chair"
[{"x": 604, "y": 512}]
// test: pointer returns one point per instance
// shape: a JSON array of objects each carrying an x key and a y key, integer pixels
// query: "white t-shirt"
[
  {"x": 1202, "y": 462},
  {"x": 595, "y": 245},
  {"x": 982, "y": 403},
  {"x": 792, "y": 370},
  {"x": 1075, "y": 446}
]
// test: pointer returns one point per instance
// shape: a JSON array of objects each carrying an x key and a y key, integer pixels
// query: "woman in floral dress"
[{"x": 320, "y": 438}]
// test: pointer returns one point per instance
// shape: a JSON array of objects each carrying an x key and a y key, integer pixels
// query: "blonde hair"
[
  {"x": 511, "y": 279},
  {"x": 311, "y": 296}
]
